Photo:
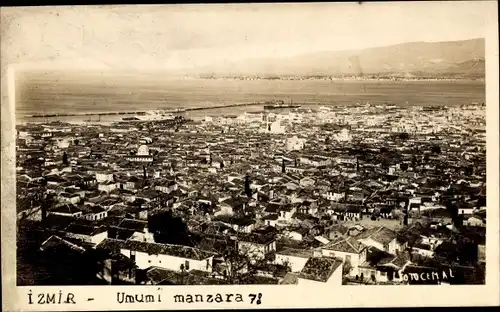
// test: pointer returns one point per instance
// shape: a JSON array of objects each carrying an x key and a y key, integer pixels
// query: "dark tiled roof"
[
  {"x": 302, "y": 253},
  {"x": 84, "y": 229},
  {"x": 133, "y": 224},
  {"x": 159, "y": 276},
  {"x": 70, "y": 209},
  {"x": 319, "y": 269},
  {"x": 381, "y": 234},
  {"x": 257, "y": 238},
  {"x": 156, "y": 249},
  {"x": 55, "y": 241},
  {"x": 348, "y": 244}
]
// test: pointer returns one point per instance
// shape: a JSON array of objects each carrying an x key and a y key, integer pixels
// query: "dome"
[{"x": 143, "y": 150}]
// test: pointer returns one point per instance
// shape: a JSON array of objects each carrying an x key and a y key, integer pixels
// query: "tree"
[
  {"x": 403, "y": 166},
  {"x": 404, "y": 136},
  {"x": 168, "y": 228},
  {"x": 436, "y": 149},
  {"x": 65, "y": 159},
  {"x": 411, "y": 237},
  {"x": 469, "y": 170},
  {"x": 452, "y": 208},
  {"x": 234, "y": 264}
]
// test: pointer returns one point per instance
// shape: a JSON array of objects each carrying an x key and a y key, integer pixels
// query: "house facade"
[{"x": 171, "y": 257}]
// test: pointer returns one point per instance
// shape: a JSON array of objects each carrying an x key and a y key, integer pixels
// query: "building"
[
  {"x": 66, "y": 210},
  {"x": 143, "y": 150},
  {"x": 321, "y": 271},
  {"x": 352, "y": 252},
  {"x": 295, "y": 144},
  {"x": 296, "y": 259},
  {"x": 257, "y": 245},
  {"x": 381, "y": 238},
  {"x": 88, "y": 234},
  {"x": 171, "y": 257},
  {"x": 95, "y": 213},
  {"x": 343, "y": 136},
  {"x": 143, "y": 155},
  {"x": 274, "y": 127}
]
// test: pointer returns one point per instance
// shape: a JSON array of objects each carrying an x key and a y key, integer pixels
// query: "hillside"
[{"x": 414, "y": 58}]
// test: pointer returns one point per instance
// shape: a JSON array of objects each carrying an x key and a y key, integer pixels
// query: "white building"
[
  {"x": 347, "y": 249},
  {"x": 88, "y": 234},
  {"x": 256, "y": 247},
  {"x": 107, "y": 186},
  {"x": 381, "y": 238},
  {"x": 275, "y": 127},
  {"x": 294, "y": 143},
  {"x": 343, "y": 136},
  {"x": 103, "y": 177},
  {"x": 330, "y": 195},
  {"x": 296, "y": 259},
  {"x": 97, "y": 213},
  {"x": 143, "y": 150},
  {"x": 64, "y": 143},
  {"x": 171, "y": 257}
]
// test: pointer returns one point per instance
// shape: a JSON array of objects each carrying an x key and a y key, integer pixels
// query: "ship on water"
[{"x": 279, "y": 105}]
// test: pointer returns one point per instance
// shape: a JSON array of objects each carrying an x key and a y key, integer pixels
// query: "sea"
[{"x": 51, "y": 97}]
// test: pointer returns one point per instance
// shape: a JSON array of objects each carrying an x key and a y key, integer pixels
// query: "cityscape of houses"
[{"x": 337, "y": 195}]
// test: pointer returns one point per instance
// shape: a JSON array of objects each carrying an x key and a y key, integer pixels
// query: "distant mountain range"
[{"x": 433, "y": 59}]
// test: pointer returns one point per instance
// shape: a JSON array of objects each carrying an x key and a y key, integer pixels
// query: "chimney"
[{"x": 148, "y": 236}]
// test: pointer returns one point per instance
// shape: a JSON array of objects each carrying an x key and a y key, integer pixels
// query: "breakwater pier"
[{"x": 167, "y": 111}]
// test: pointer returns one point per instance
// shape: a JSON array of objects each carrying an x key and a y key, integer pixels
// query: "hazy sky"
[{"x": 174, "y": 37}]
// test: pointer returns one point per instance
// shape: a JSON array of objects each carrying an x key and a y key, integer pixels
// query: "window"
[{"x": 186, "y": 265}]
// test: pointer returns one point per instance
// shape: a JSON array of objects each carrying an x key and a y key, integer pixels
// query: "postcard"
[{"x": 236, "y": 156}]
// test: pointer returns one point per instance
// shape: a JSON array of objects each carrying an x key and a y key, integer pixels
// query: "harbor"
[{"x": 142, "y": 113}]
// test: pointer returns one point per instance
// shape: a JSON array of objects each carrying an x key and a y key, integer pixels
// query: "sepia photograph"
[{"x": 310, "y": 145}]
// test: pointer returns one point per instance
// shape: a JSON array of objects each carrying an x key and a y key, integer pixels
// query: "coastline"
[{"x": 356, "y": 79}]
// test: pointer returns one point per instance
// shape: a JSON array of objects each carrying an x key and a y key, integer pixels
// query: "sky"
[{"x": 174, "y": 37}]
